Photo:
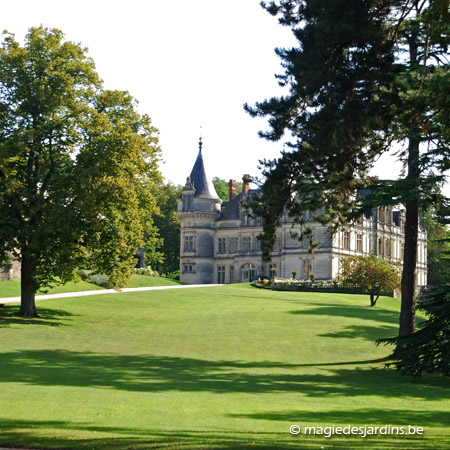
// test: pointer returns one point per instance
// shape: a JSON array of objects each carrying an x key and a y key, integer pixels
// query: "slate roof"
[
  {"x": 231, "y": 210},
  {"x": 203, "y": 188}
]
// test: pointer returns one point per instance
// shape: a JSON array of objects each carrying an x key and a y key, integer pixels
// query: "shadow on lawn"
[
  {"x": 53, "y": 434},
  {"x": 47, "y": 316},
  {"x": 355, "y": 311},
  {"x": 166, "y": 373},
  {"x": 371, "y": 333}
]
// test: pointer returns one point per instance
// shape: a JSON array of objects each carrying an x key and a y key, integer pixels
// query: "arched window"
[{"x": 248, "y": 271}]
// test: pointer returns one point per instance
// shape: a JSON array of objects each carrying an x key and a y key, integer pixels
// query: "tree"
[
  {"x": 168, "y": 225},
  {"x": 428, "y": 349},
  {"x": 438, "y": 249},
  {"x": 222, "y": 188},
  {"x": 365, "y": 75},
  {"x": 77, "y": 165},
  {"x": 371, "y": 273}
]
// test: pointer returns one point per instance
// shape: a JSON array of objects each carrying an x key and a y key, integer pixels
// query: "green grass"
[
  {"x": 12, "y": 288},
  {"x": 228, "y": 367},
  {"x": 145, "y": 281}
]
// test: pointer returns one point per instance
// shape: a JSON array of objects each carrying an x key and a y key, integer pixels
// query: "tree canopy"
[
  {"x": 168, "y": 225},
  {"x": 364, "y": 76},
  {"x": 222, "y": 188},
  {"x": 78, "y": 165},
  {"x": 371, "y": 273}
]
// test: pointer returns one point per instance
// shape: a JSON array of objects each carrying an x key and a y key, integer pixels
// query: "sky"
[{"x": 191, "y": 64}]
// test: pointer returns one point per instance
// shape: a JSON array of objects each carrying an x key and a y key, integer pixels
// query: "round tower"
[{"x": 198, "y": 209}]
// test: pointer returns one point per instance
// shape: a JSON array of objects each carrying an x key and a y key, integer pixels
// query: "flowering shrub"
[{"x": 148, "y": 271}]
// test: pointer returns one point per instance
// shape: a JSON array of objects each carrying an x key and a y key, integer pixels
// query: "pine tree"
[
  {"x": 364, "y": 76},
  {"x": 428, "y": 349}
]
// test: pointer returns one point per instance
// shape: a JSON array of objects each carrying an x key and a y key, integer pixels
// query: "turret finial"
[{"x": 200, "y": 145}]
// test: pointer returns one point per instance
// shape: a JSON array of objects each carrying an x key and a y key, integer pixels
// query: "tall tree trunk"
[
  {"x": 407, "y": 312},
  {"x": 28, "y": 287}
]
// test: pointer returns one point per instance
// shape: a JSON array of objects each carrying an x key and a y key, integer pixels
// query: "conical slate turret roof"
[{"x": 203, "y": 187}]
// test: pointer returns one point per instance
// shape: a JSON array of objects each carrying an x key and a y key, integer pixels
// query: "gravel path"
[{"x": 105, "y": 291}]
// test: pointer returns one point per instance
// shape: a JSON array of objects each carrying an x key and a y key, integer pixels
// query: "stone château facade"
[{"x": 219, "y": 239}]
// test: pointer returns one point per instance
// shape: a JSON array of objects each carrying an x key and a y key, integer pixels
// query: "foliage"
[
  {"x": 7, "y": 261},
  {"x": 428, "y": 349},
  {"x": 83, "y": 274},
  {"x": 223, "y": 190},
  {"x": 147, "y": 271},
  {"x": 371, "y": 273},
  {"x": 438, "y": 248},
  {"x": 364, "y": 76},
  {"x": 101, "y": 280},
  {"x": 77, "y": 165},
  {"x": 168, "y": 225},
  {"x": 175, "y": 275}
]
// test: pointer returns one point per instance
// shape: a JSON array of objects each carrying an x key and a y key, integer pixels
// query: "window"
[
  {"x": 221, "y": 245},
  {"x": 231, "y": 274},
  {"x": 346, "y": 240},
  {"x": 247, "y": 220},
  {"x": 234, "y": 244},
  {"x": 380, "y": 214},
  {"x": 388, "y": 215},
  {"x": 387, "y": 247},
  {"x": 307, "y": 268},
  {"x": 359, "y": 242},
  {"x": 187, "y": 203},
  {"x": 188, "y": 268},
  {"x": 256, "y": 244},
  {"x": 221, "y": 274},
  {"x": 402, "y": 250},
  {"x": 305, "y": 242},
  {"x": 246, "y": 244},
  {"x": 380, "y": 246},
  {"x": 189, "y": 244}
]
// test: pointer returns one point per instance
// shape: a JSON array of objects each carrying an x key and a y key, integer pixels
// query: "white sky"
[{"x": 190, "y": 64}]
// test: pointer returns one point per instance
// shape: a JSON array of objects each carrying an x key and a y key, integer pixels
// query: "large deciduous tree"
[
  {"x": 77, "y": 165},
  {"x": 365, "y": 75}
]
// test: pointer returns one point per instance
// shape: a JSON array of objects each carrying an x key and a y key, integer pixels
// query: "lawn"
[
  {"x": 12, "y": 288},
  {"x": 229, "y": 367}
]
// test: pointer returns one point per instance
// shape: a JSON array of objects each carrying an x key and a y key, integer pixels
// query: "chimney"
[
  {"x": 232, "y": 189},
  {"x": 246, "y": 183}
]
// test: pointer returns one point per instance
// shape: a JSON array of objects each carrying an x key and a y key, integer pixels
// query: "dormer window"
[
  {"x": 187, "y": 202},
  {"x": 247, "y": 220}
]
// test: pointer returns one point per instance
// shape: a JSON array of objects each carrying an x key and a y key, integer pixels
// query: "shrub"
[
  {"x": 101, "y": 280},
  {"x": 174, "y": 275},
  {"x": 83, "y": 274},
  {"x": 148, "y": 271}
]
